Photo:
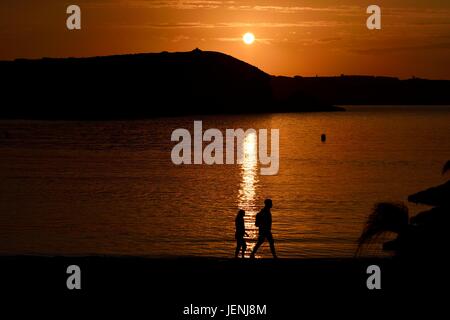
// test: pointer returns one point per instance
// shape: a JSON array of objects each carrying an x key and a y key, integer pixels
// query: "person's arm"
[{"x": 243, "y": 228}]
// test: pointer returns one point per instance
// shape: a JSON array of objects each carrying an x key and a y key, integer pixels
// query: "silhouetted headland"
[
  {"x": 186, "y": 83},
  {"x": 141, "y": 86}
]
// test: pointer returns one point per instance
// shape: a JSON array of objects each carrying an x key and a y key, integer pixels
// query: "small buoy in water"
[{"x": 323, "y": 137}]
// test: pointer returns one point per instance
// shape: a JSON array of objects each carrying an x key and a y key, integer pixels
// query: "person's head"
[
  {"x": 268, "y": 203},
  {"x": 241, "y": 213}
]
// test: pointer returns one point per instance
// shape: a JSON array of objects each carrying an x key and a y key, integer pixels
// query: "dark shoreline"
[{"x": 174, "y": 115}]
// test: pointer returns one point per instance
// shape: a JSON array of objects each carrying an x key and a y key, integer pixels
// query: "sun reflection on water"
[{"x": 248, "y": 185}]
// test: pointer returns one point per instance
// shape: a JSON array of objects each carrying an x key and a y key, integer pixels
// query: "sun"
[{"x": 248, "y": 38}]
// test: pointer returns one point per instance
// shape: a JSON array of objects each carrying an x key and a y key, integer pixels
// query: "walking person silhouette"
[
  {"x": 240, "y": 233},
  {"x": 264, "y": 223}
]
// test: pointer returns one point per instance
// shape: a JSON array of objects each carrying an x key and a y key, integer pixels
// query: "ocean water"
[{"x": 111, "y": 187}]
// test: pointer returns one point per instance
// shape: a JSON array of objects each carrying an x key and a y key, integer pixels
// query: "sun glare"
[{"x": 248, "y": 38}]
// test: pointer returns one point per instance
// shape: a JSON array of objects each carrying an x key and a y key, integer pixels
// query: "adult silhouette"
[
  {"x": 264, "y": 223},
  {"x": 240, "y": 233}
]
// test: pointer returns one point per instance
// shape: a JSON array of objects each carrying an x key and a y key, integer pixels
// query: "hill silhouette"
[{"x": 184, "y": 83}]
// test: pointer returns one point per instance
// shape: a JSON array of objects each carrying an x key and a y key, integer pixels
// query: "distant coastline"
[{"x": 139, "y": 86}]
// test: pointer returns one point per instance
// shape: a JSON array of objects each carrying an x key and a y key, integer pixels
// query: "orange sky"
[{"x": 312, "y": 37}]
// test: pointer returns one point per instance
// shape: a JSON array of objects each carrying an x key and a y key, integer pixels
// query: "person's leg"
[
  {"x": 244, "y": 248},
  {"x": 257, "y": 245},
  {"x": 238, "y": 248},
  {"x": 272, "y": 244}
]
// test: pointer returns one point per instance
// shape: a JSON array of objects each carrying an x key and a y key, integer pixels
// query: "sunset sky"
[{"x": 320, "y": 37}]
